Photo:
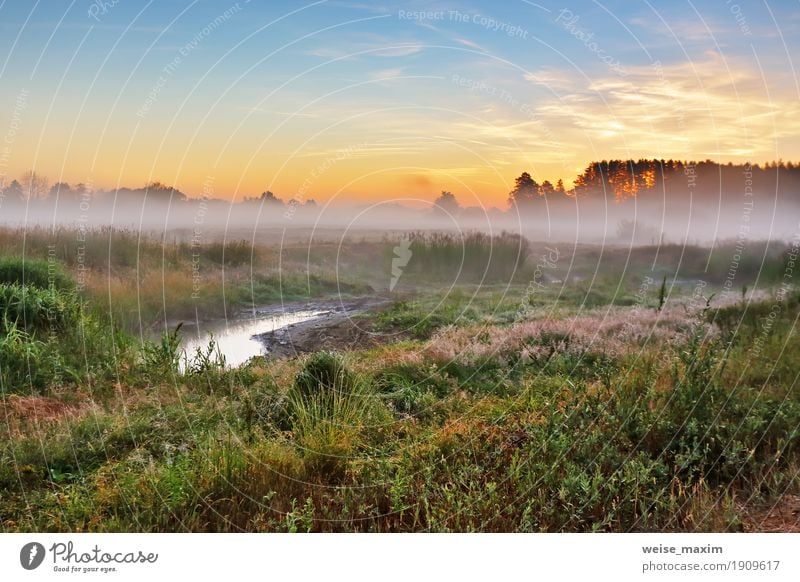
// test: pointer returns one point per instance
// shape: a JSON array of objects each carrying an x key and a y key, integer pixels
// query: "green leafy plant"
[{"x": 164, "y": 357}]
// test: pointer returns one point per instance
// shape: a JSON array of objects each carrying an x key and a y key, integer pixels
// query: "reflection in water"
[{"x": 235, "y": 338}]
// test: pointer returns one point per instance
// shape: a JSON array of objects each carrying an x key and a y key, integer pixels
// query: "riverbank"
[{"x": 339, "y": 327}]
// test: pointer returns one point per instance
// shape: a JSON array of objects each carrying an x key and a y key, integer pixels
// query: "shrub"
[
  {"x": 37, "y": 310},
  {"x": 330, "y": 406},
  {"x": 34, "y": 273},
  {"x": 324, "y": 373},
  {"x": 164, "y": 357}
]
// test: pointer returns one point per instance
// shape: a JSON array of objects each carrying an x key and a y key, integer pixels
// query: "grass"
[
  {"x": 39, "y": 273},
  {"x": 476, "y": 417},
  {"x": 472, "y": 257},
  {"x": 141, "y": 281},
  {"x": 48, "y": 338}
]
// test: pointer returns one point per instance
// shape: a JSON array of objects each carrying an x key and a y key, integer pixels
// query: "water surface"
[{"x": 235, "y": 337}]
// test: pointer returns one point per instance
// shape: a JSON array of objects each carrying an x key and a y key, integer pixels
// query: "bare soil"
[{"x": 346, "y": 326}]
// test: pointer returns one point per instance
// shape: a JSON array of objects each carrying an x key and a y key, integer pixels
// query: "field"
[{"x": 508, "y": 385}]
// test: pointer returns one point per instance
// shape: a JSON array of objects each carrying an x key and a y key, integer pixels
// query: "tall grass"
[
  {"x": 330, "y": 407},
  {"x": 470, "y": 257},
  {"x": 36, "y": 273},
  {"x": 48, "y": 340}
]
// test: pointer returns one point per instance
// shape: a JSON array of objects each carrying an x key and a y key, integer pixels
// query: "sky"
[{"x": 363, "y": 101}]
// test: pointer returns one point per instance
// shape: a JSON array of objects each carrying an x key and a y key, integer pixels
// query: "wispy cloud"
[
  {"x": 272, "y": 112},
  {"x": 689, "y": 109},
  {"x": 684, "y": 29},
  {"x": 385, "y": 74},
  {"x": 470, "y": 44},
  {"x": 556, "y": 79},
  {"x": 369, "y": 45}
]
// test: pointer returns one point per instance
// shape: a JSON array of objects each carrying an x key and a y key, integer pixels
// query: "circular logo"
[{"x": 31, "y": 555}]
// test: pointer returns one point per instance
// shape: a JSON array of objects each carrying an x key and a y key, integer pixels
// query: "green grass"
[
  {"x": 35, "y": 272},
  {"x": 49, "y": 339},
  {"x": 472, "y": 257}
]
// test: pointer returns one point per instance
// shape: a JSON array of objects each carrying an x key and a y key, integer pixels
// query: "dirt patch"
[
  {"x": 346, "y": 326},
  {"x": 781, "y": 517}
]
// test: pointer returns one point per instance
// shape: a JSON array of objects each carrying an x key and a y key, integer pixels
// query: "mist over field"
[{"x": 642, "y": 202}]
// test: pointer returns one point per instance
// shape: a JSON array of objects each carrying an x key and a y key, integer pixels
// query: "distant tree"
[
  {"x": 59, "y": 189},
  {"x": 560, "y": 186},
  {"x": 525, "y": 191},
  {"x": 446, "y": 203},
  {"x": 547, "y": 188},
  {"x": 33, "y": 185},
  {"x": 162, "y": 192},
  {"x": 268, "y": 197},
  {"x": 14, "y": 192},
  {"x": 311, "y": 203}
]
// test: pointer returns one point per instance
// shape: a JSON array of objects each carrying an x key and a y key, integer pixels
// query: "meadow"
[{"x": 510, "y": 385}]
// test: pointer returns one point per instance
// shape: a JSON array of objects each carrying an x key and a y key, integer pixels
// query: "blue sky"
[{"x": 405, "y": 97}]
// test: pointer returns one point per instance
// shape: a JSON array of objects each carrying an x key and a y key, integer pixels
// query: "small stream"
[{"x": 235, "y": 337}]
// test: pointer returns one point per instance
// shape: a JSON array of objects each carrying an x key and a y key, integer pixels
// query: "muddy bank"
[{"x": 337, "y": 327}]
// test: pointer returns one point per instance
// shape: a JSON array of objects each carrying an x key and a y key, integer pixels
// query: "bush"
[
  {"x": 34, "y": 273},
  {"x": 324, "y": 373},
  {"x": 330, "y": 407},
  {"x": 163, "y": 358},
  {"x": 35, "y": 310},
  {"x": 47, "y": 339}
]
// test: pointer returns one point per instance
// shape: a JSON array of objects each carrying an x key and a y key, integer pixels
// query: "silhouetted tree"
[
  {"x": 13, "y": 192},
  {"x": 268, "y": 197},
  {"x": 58, "y": 190},
  {"x": 161, "y": 192},
  {"x": 33, "y": 185},
  {"x": 446, "y": 203},
  {"x": 525, "y": 191}
]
